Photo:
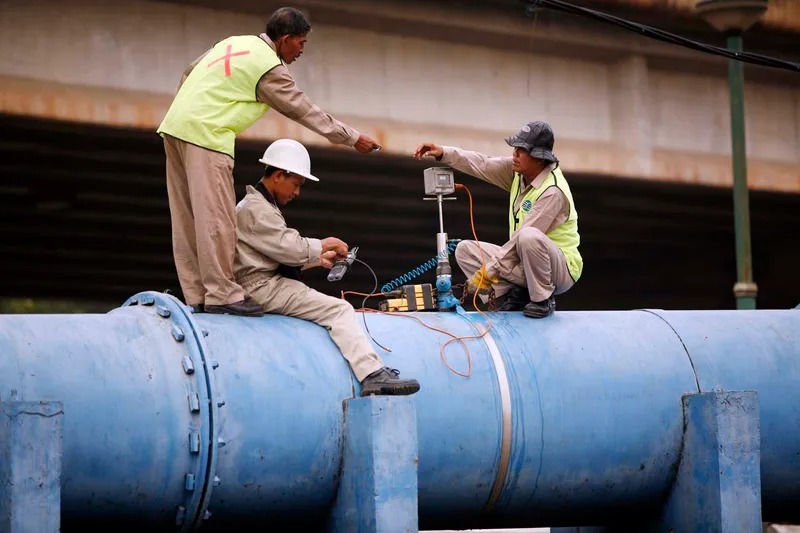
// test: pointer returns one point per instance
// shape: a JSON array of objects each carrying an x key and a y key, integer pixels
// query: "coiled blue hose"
[{"x": 421, "y": 269}]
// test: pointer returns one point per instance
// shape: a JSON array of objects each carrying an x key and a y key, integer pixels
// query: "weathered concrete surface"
[
  {"x": 378, "y": 489},
  {"x": 30, "y": 466},
  {"x": 718, "y": 486},
  {"x": 782, "y": 14},
  {"x": 620, "y": 104}
]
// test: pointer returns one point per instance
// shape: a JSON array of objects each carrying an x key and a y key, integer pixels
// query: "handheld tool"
[{"x": 340, "y": 267}]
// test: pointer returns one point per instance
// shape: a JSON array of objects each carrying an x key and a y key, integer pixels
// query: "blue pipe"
[{"x": 174, "y": 420}]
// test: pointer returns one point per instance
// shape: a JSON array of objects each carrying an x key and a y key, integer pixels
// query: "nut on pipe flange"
[{"x": 203, "y": 404}]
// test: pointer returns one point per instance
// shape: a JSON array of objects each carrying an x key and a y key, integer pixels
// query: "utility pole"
[{"x": 733, "y": 18}]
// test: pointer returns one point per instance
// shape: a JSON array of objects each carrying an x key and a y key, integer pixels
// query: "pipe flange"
[{"x": 203, "y": 403}]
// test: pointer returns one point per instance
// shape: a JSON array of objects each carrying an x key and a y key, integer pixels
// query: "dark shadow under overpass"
[{"x": 84, "y": 216}]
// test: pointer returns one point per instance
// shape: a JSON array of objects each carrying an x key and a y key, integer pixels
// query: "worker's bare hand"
[
  {"x": 327, "y": 259},
  {"x": 366, "y": 144},
  {"x": 336, "y": 245},
  {"x": 428, "y": 150}
]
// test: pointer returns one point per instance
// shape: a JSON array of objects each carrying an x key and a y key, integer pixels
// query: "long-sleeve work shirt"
[
  {"x": 549, "y": 211},
  {"x": 264, "y": 241},
  {"x": 277, "y": 89}
]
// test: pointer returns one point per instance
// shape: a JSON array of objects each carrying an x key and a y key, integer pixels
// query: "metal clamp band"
[{"x": 505, "y": 435}]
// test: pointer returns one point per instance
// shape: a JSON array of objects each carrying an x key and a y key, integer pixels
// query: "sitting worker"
[
  {"x": 270, "y": 256},
  {"x": 541, "y": 258}
]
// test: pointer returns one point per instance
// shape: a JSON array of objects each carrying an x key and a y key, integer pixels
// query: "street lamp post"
[{"x": 734, "y": 17}]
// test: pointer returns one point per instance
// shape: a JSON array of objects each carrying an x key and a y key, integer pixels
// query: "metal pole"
[{"x": 745, "y": 289}]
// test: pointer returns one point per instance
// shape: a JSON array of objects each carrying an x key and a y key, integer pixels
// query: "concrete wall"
[
  {"x": 780, "y": 14},
  {"x": 619, "y": 104}
]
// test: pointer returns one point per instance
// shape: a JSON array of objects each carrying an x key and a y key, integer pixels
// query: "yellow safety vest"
[
  {"x": 565, "y": 235},
  {"x": 217, "y": 101}
]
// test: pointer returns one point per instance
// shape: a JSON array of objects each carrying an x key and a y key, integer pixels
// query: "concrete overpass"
[{"x": 642, "y": 129}]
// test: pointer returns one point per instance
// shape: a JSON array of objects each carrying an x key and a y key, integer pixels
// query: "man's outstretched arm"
[
  {"x": 278, "y": 90},
  {"x": 495, "y": 170}
]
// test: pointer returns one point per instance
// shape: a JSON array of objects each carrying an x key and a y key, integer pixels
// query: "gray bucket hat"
[{"x": 537, "y": 138}]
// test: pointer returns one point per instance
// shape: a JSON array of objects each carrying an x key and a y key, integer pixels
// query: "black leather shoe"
[
  {"x": 387, "y": 381},
  {"x": 515, "y": 300},
  {"x": 540, "y": 309},
  {"x": 246, "y": 307}
]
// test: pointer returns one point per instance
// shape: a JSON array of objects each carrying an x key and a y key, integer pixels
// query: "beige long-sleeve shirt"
[
  {"x": 277, "y": 89},
  {"x": 550, "y": 210},
  {"x": 264, "y": 241}
]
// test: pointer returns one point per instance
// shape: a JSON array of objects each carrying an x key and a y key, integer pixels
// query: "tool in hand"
[{"x": 340, "y": 267}]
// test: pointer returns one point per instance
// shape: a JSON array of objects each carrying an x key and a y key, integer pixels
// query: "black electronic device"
[{"x": 340, "y": 267}]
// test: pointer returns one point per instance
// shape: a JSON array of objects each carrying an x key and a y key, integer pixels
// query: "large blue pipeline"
[{"x": 174, "y": 421}]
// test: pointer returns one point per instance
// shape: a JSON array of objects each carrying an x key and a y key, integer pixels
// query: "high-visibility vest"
[
  {"x": 565, "y": 236},
  {"x": 217, "y": 101}
]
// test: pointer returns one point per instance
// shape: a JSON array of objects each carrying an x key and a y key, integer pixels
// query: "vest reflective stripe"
[
  {"x": 217, "y": 101},
  {"x": 566, "y": 235}
]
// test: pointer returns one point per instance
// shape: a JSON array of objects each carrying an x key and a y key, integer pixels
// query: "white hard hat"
[{"x": 289, "y": 155}]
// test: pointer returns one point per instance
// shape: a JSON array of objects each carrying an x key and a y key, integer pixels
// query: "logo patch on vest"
[{"x": 526, "y": 206}]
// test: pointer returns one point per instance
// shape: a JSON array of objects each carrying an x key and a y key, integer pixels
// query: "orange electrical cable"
[
  {"x": 459, "y": 338},
  {"x": 361, "y": 294},
  {"x": 445, "y": 332},
  {"x": 475, "y": 295}
]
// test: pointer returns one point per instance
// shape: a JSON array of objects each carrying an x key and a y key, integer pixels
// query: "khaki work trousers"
[
  {"x": 202, "y": 206},
  {"x": 289, "y": 297},
  {"x": 540, "y": 265}
]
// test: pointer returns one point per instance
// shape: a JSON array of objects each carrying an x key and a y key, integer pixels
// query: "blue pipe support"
[{"x": 174, "y": 420}]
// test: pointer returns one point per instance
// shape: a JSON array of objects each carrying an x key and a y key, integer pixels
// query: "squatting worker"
[
  {"x": 220, "y": 95},
  {"x": 541, "y": 258},
  {"x": 270, "y": 257}
]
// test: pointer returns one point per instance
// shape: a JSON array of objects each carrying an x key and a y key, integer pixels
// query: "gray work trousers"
[
  {"x": 284, "y": 296},
  {"x": 201, "y": 205},
  {"x": 539, "y": 265}
]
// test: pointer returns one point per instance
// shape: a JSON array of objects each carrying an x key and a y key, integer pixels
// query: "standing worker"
[
  {"x": 270, "y": 256},
  {"x": 541, "y": 258},
  {"x": 221, "y": 94}
]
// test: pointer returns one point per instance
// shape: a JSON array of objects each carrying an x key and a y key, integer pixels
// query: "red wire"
[{"x": 453, "y": 338}]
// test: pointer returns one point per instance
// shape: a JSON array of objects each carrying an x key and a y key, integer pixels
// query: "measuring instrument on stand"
[{"x": 439, "y": 183}]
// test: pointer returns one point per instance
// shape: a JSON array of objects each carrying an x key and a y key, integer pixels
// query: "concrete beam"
[
  {"x": 718, "y": 488},
  {"x": 378, "y": 488},
  {"x": 620, "y": 105},
  {"x": 780, "y": 14}
]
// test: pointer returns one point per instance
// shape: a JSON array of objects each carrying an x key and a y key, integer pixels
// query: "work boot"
[
  {"x": 516, "y": 299},
  {"x": 540, "y": 309},
  {"x": 246, "y": 307},
  {"x": 387, "y": 381}
]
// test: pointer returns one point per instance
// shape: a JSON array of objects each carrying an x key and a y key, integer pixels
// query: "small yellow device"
[{"x": 411, "y": 298}]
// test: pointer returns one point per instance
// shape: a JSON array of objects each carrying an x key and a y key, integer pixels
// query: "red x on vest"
[{"x": 227, "y": 57}]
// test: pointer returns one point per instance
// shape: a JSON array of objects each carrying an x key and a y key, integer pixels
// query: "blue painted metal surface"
[
  {"x": 760, "y": 352},
  {"x": 378, "y": 489},
  {"x": 718, "y": 488},
  {"x": 30, "y": 466},
  {"x": 593, "y": 425}
]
